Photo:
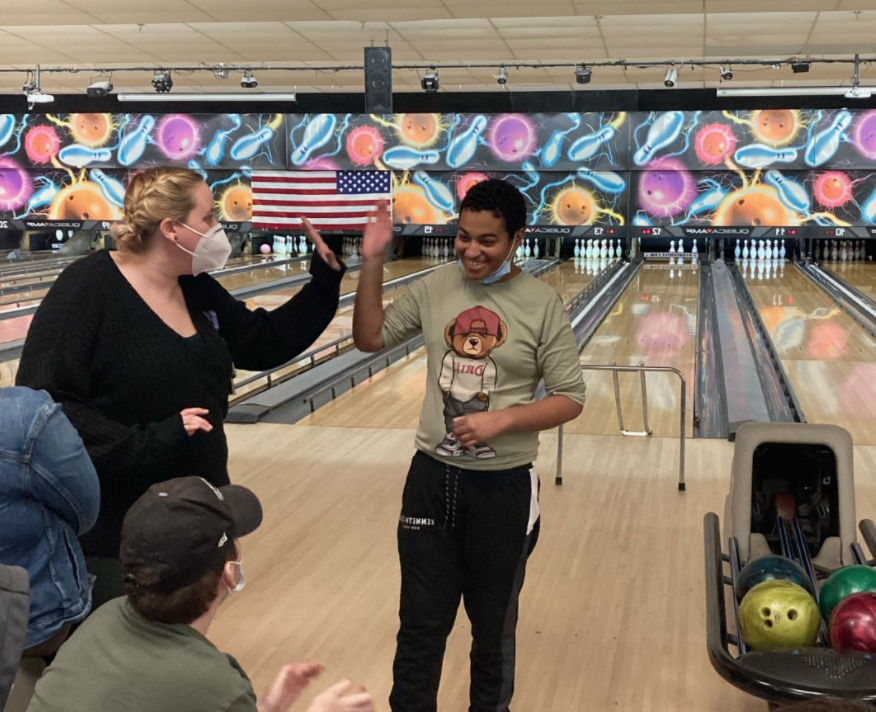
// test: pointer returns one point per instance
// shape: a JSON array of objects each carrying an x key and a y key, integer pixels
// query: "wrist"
[{"x": 505, "y": 420}]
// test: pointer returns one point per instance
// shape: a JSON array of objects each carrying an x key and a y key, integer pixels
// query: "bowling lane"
[
  {"x": 392, "y": 397},
  {"x": 861, "y": 275},
  {"x": 340, "y": 327},
  {"x": 653, "y": 322},
  {"x": 829, "y": 359}
]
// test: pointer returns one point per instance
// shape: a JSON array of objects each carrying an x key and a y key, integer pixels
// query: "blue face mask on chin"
[{"x": 504, "y": 269}]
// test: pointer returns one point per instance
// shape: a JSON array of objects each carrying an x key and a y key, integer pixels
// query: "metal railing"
[{"x": 641, "y": 369}]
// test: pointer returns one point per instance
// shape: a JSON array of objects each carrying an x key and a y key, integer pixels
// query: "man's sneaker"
[
  {"x": 449, "y": 447},
  {"x": 481, "y": 452}
]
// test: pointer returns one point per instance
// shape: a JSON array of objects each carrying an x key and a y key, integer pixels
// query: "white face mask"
[{"x": 211, "y": 252}]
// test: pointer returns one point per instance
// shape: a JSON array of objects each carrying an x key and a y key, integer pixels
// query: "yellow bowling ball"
[{"x": 779, "y": 615}]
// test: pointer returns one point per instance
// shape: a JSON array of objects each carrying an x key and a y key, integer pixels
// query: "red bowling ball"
[{"x": 853, "y": 623}]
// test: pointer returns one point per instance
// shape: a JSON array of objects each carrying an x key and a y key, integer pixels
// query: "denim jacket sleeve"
[{"x": 63, "y": 477}]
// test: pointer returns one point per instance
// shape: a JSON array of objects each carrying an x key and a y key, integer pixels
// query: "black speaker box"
[{"x": 378, "y": 80}]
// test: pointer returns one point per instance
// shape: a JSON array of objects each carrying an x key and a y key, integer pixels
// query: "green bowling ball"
[
  {"x": 779, "y": 615},
  {"x": 844, "y": 582}
]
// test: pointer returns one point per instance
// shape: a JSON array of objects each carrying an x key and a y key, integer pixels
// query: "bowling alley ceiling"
[{"x": 322, "y": 34}]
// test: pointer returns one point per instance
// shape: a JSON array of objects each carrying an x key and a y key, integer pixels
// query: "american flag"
[{"x": 331, "y": 200}]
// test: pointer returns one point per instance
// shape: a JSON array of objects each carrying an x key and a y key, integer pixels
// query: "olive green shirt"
[
  {"x": 120, "y": 662},
  {"x": 488, "y": 348}
]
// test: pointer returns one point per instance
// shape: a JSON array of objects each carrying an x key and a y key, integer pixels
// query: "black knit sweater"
[{"x": 122, "y": 375}]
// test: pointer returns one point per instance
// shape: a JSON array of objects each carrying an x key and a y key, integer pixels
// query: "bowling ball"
[
  {"x": 666, "y": 188},
  {"x": 81, "y": 201},
  {"x": 843, "y": 583},
  {"x": 853, "y": 623},
  {"x": 778, "y": 615},
  {"x": 237, "y": 204},
  {"x": 714, "y": 143},
  {"x": 771, "y": 568},
  {"x": 410, "y": 207},
  {"x": 865, "y": 134},
  {"x": 512, "y": 137},
  {"x": 574, "y": 207},
  {"x": 753, "y": 207},
  {"x": 41, "y": 144},
  {"x": 178, "y": 137},
  {"x": 265, "y": 249},
  {"x": 418, "y": 130},
  {"x": 364, "y": 144},
  {"x": 90, "y": 129},
  {"x": 775, "y": 126}
]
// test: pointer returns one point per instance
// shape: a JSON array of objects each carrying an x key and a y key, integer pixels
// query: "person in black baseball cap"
[{"x": 148, "y": 651}]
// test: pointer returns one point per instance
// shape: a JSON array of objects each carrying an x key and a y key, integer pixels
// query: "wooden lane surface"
[
  {"x": 829, "y": 359},
  {"x": 612, "y": 612},
  {"x": 392, "y": 398},
  {"x": 861, "y": 275},
  {"x": 653, "y": 322}
]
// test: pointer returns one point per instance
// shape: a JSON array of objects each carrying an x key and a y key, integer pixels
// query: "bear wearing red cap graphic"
[{"x": 468, "y": 374}]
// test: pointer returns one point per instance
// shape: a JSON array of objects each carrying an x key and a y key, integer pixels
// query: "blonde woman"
[{"x": 138, "y": 345}]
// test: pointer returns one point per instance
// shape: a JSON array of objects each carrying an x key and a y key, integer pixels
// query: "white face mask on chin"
[{"x": 212, "y": 250}]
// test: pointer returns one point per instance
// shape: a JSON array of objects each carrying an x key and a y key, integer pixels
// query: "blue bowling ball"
[{"x": 769, "y": 568}]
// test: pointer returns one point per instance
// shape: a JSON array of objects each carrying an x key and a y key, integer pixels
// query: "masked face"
[
  {"x": 212, "y": 250},
  {"x": 484, "y": 247}
]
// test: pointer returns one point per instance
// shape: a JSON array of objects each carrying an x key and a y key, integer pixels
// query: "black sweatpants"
[{"x": 461, "y": 534}]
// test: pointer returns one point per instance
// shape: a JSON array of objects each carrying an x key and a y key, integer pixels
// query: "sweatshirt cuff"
[{"x": 325, "y": 275}]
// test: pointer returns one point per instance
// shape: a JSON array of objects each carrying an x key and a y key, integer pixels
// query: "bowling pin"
[
  {"x": 7, "y": 127},
  {"x": 606, "y": 181},
  {"x": 782, "y": 252},
  {"x": 834, "y": 251},
  {"x": 528, "y": 250},
  {"x": 825, "y": 144},
  {"x": 81, "y": 156},
  {"x": 736, "y": 253},
  {"x": 761, "y": 253},
  {"x": 133, "y": 144},
  {"x": 462, "y": 148},
  {"x": 844, "y": 253},
  {"x": 756, "y": 155},
  {"x": 318, "y": 133},
  {"x": 404, "y": 158},
  {"x": 662, "y": 133},
  {"x": 695, "y": 250},
  {"x": 577, "y": 248},
  {"x": 587, "y": 146},
  {"x": 672, "y": 247},
  {"x": 791, "y": 193},
  {"x": 745, "y": 251},
  {"x": 535, "y": 250},
  {"x": 619, "y": 250},
  {"x": 768, "y": 252},
  {"x": 681, "y": 247},
  {"x": 438, "y": 194}
]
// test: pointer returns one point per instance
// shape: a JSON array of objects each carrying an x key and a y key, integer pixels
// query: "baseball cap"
[
  {"x": 465, "y": 322},
  {"x": 177, "y": 531}
]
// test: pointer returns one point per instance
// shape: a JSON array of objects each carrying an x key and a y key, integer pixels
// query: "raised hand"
[
  {"x": 319, "y": 245},
  {"x": 378, "y": 234}
]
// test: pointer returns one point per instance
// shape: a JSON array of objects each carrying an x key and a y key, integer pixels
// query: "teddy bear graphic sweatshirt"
[{"x": 488, "y": 344}]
